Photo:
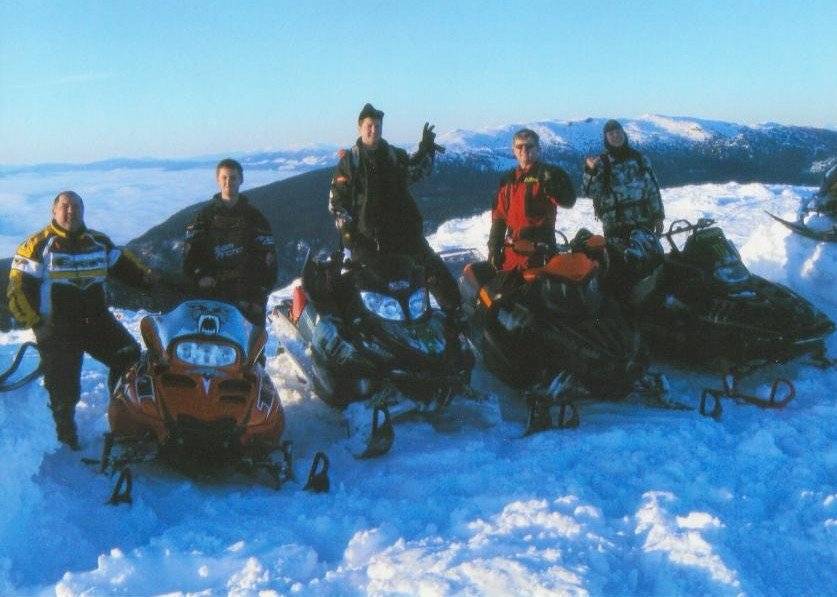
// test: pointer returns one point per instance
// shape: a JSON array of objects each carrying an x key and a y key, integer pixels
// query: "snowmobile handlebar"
[
  {"x": 525, "y": 246},
  {"x": 683, "y": 225}
]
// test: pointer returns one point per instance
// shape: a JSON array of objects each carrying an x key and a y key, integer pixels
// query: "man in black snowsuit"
[
  {"x": 57, "y": 287},
  {"x": 229, "y": 250},
  {"x": 374, "y": 211}
]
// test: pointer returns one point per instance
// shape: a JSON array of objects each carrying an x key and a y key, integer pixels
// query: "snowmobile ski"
[
  {"x": 8, "y": 386},
  {"x": 372, "y": 439},
  {"x": 775, "y": 399},
  {"x": 122, "y": 489},
  {"x": 318, "y": 481},
  {"x": 806, "y": 231}
]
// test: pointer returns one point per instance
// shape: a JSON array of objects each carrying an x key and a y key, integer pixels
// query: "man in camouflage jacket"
[
  {"x": 622, "y": 185},
  {"x": 626, "y": 198}
]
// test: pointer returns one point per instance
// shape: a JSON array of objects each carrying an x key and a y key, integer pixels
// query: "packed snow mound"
[{"x": 636, "y": 501}]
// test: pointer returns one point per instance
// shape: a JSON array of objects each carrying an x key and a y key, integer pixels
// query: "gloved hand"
[
  {"x": 551, "y": 186},
  {"x": 658, "y": 227},
  {"x": 427, "y": 145}
]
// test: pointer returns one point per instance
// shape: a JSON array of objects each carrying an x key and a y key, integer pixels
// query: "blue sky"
[{"x": 88, "y": 80}]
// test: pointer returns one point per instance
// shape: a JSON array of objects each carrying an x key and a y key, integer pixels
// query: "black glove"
[
  {"x": 428, "y": 141},
  {"x": 496, "y": 257}
]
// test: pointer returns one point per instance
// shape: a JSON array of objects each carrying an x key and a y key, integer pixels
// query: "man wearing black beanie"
[{"x": 374, "y": 211}]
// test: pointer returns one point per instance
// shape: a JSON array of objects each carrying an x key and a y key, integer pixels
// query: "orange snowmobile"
[{"x": 199, "y": 396}]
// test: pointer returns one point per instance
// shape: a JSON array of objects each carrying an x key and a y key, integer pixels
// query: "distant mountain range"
[{"x": 683, "y": 151}]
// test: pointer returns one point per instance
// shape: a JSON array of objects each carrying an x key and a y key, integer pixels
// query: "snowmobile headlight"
[
  {"x": 385, "y": 307},
  {"x": 206, "y": 354},
  {"x": 418, "y": 303}
]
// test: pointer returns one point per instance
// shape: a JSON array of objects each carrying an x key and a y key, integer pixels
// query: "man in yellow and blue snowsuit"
[{"x": 57, "y": 287}]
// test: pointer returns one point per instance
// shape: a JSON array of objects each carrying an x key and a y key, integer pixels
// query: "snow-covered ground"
[{"x": 635, "y": 501}]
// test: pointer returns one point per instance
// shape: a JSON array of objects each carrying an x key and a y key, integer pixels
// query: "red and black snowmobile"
[
  {"x": 551, "y": 331},
  {"x": 199, "y": 397}
]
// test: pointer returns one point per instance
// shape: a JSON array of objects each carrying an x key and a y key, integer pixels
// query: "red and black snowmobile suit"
[{"x": 525, "y": 208}]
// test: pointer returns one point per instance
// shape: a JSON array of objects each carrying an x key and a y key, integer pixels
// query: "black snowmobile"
[
  {"x": 552, "y": 332},
  {"x": 377, "y": 348},
  {"x": 701, "y": 304}
]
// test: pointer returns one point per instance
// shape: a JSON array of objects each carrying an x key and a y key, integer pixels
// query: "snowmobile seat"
[{"x": 569, "y": 267}]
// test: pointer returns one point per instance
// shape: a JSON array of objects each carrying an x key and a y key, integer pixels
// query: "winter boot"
[{"x": 66, "y": 431}]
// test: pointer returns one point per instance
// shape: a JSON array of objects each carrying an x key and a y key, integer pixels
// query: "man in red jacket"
[{"x": 525, "y": 207}]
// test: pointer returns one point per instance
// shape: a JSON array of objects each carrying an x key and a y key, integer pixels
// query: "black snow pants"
[{"x": 62, "y": 346}]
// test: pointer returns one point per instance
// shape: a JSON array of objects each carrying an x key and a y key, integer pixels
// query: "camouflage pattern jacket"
[{"x": 625, "y": 193}]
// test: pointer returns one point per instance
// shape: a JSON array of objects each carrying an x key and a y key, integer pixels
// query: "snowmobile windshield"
[
  {"x": 206, "y": 322},
  {"x": 710, "y": 250}
]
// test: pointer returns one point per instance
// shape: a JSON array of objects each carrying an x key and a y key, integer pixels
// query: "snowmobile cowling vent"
[{"x": 209, "y": 324}]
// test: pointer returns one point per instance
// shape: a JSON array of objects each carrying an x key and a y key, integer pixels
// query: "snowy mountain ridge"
[
  {"x": 577, "y": 136},
  {"x": 586, "y": 134}
]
